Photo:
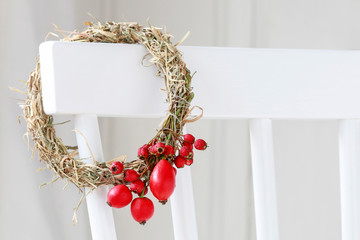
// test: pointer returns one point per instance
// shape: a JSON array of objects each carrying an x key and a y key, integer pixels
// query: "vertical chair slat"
[
  {"x": 349, "y": 159},
  {"x": 262, "y": 156},
  {"x": 183, "y": 206},
  {"x": 100, "y": 215}
]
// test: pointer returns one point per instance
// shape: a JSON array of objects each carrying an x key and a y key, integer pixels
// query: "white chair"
[{"x": 256, "y": 84}]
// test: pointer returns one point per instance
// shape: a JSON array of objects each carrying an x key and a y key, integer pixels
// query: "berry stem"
[{"x": 143, "y": 191}]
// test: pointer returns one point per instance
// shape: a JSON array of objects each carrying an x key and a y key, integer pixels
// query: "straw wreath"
[{"x": 64, "y": 160}]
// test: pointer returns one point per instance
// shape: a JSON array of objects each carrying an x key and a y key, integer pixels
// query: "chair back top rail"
[{"x": 110, "y": 80}]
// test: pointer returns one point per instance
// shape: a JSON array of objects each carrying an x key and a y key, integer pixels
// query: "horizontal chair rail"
[{"x": 229, "y": 83}]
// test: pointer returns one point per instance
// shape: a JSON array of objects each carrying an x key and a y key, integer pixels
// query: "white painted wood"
[
  {"x": 349, "y": 150},
  {"x": 262, "y": 157},
  {"x": 100, "y": 214},
  {"x": 261, "y": 83},
  {"x": 183, "y": 206}
]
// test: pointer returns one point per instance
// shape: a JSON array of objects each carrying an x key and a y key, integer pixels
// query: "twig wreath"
[{"x": 154, "y": 166}]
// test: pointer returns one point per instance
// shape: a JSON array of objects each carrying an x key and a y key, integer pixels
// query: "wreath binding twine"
[{"x": 64, "y": 161}]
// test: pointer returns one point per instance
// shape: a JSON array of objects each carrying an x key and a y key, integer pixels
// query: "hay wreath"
[{"x": 154, "y": 166}]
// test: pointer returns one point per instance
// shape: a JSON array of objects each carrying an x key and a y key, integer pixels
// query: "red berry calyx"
[{"x": 160, "y": 148}]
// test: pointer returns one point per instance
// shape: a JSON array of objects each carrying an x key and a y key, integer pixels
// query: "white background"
[{"x": 306, "y": 152}]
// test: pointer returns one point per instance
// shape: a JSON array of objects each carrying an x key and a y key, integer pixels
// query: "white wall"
[{"x": 305, "y": 151}]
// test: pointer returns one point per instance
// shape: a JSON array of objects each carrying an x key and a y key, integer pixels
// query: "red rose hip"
[
  {"x": 116, "y": 167},
  {"x": 200, "y": 144},
  {"x": 188, "y": 162},
  {"x": 137, "y": 186},
  {"x": 188, "y": 138},
  {"x": 131, "y": 175},
  {"x": 190, "y": 146},
  {"x": 186, "y": 152},
  {"x": 142, "y": 209},
  {"x": 169, "y": 151},
  {"x": 153, "y": 150},
  {"x": 119, "y": 196},
  {"x": 143, "y": 153},
  {"x": 179, "y": 162},
  {"x": 162, "y": 181}
]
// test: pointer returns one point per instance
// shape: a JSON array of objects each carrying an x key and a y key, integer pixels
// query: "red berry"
[
  {"x": 169, "y": 151},
  {"x": 131, "y": 175},
  {"x": 153, "y": 150},
  {"x": 200, "y": 144},
  {"x": 142, "y": 209},
  {"x": 162, "y": 181},
  {"x": 143, "y": 153},
  {"x": 116, "y": 167},
  {"x": 119, "y": 196},
  {"x": 188, "y": 138},
  {"x": 188, "y": 162},
  {"x": 175, "y": 171},
  {"x": 186, "y": 152},
  {"x": 179, "y": 162},
  {"x": 137, "y": 186},
  {"x": 189, "y": 145},
  {"x": 160, "y": 148},
  {"x": 145, "y": 192}
]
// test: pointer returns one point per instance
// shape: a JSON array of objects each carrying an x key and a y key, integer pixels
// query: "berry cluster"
[{"x": 159, "y": 175}]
